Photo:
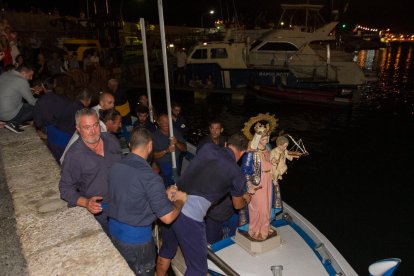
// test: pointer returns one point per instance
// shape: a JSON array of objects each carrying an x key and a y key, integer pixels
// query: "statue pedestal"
[{"x": 255, "y": 247}]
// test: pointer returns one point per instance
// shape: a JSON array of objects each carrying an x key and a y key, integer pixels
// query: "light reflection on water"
[{"x": 393, "y": 65}]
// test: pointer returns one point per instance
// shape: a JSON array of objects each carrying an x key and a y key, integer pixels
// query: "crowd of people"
[{"x": 128, "y": 193}]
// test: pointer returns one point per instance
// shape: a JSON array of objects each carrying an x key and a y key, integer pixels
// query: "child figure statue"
[{"x": 278, "y": 157}]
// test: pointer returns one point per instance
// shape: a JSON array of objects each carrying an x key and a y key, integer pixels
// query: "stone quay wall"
[{"x": 54, "y": 239}]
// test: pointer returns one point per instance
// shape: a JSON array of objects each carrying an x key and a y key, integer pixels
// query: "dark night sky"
[{"x": 373, "y": 13}]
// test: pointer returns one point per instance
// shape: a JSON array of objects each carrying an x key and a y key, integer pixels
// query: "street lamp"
[{"x": 202, "y": 16}]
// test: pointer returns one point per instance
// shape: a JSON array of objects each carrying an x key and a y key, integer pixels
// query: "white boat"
[
  {"x": 296, "y": 57},
  {"x": 303, "y": 250}
]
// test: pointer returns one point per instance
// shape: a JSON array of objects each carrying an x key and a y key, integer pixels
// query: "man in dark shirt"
[
  {"x": 222, "y": 210},
  {"x": 49, "y": 106},
  {"x": 143, "y": 118},
  {"x": 47, "y": 114},
  {"x": 137, "y": 197},
  {"x": 85, "y": 168},
  {"x": 178, "y": 119},
  {"x": 60, "y": 133},
  {"x": 164, "y": 146},
  {"x": 111, "y": 119},
  {"x": 67, "y": 122},
  {"x": 211, "y": 175},
  {"x": 216, "y": 129}
]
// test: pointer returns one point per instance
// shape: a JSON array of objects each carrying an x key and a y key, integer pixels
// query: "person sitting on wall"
[{"x": 14, "y": 87}]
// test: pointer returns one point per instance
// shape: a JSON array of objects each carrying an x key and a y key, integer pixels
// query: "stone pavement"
[
  {"x": 54, "y": 239},
  {"x": 12, "y": 261}
]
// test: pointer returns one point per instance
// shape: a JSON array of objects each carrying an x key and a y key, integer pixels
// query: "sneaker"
[
  {"x": 25, "y": 124},
  {"x": 12, "y": 127}
]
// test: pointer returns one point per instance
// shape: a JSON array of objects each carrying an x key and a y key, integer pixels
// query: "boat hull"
[{"x": 321, "y": 94}]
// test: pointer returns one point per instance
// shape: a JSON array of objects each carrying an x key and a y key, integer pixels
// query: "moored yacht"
[{"x": 297, "y": 59}]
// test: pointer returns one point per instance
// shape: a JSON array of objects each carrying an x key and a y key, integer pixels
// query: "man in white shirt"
[{"x": 181, "y": 57}]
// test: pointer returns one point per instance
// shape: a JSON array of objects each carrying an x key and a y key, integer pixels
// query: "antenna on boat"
[{"x": 298, "y": 146}]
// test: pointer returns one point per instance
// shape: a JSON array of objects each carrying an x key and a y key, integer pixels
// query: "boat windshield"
[
  {"x": 278, "y": 47},
  {"x": 255, "y": 44}
]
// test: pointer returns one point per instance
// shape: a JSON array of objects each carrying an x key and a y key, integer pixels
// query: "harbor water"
[{"x": 356, "y": 185}]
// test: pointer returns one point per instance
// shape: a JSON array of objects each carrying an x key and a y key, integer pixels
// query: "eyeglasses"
[{"x": 89, "y": 127}]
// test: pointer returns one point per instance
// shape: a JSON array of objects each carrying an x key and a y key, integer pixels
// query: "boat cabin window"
[
  {"x": 199, "y": 54},
  {"x": 218, "y": 53},
  {"x": 255, "y": 44},
  {"x": 278, "y": 46}
]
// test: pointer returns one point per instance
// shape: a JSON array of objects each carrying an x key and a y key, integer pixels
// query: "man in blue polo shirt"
[
  {"x": 137, "y": 197},
  {"x": 164, "y": 145},
  {"x": 84, "y": 175},
  {"x": 211, "y": 175}
]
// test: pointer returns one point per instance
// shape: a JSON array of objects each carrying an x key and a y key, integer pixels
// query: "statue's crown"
[{"x": 261, "y": 129}]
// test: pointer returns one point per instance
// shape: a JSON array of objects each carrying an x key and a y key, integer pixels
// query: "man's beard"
[{"x": 92, "y": 140}]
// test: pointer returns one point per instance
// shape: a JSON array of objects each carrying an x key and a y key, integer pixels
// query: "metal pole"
[
  {"x": 147, "y": 79},
  {"x": 167, "y": 83}
]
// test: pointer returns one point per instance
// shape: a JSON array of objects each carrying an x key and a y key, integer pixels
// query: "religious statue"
[{"x": 257, "y": 167}]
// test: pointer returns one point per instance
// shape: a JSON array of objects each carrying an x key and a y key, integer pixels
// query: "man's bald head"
[{"x": 106, "y": 100}]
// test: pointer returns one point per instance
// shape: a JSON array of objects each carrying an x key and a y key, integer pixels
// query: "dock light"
[
  {"x": 323, "y": 252},
  {"x": 276, "y": 270}
]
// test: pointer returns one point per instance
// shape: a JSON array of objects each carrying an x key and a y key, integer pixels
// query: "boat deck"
[{"x": 294, "y": 254}]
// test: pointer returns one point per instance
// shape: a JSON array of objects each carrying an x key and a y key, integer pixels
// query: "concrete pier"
[{"x": 46, "y": 237}]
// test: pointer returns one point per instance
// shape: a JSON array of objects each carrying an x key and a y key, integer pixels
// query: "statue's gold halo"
[{"x": 268, "y": 118}]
